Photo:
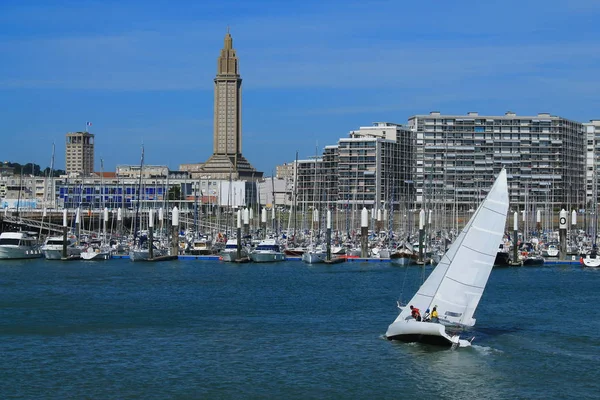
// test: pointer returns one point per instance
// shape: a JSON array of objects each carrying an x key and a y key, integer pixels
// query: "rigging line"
[{"x": 403, "y": 284}]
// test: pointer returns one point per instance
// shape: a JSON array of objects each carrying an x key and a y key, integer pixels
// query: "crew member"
[
  {"x": 434, "y": 315},
  {"x": 415, "y": 313}
]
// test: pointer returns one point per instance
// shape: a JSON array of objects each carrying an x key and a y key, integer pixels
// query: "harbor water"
[{"x": 211, "y": 330}]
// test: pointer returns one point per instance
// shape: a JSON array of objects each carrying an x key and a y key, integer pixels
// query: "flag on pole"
[{"x": 88, "y": 124}]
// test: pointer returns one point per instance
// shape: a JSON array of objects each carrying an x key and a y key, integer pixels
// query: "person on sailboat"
[
  {"x": 427, "y": 316},
  {"x": 415, "y": 313},
  {"x": 434, "y": 315}
]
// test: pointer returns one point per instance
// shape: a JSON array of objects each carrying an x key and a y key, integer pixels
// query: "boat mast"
[
  {"x": 294, "y": 212},
  {"x": 139, "y": 190},
  {"x": 20, "y": 188}
]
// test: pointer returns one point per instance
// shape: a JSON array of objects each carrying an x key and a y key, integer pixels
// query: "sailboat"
[
  {"x": 592, "y": 260},
  {"x": 457, "y": 283}
]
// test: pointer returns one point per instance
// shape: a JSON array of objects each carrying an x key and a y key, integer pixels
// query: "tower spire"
[{"x": 228, "y": 41}]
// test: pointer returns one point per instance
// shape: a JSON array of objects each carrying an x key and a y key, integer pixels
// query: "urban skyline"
[{"x": 312, "y": 72}]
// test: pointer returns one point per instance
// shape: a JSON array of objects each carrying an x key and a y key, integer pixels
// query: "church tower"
[{"x": 227, "y": 130}]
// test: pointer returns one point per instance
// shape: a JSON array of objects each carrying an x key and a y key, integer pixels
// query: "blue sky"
[{"x": 142, "y": 71}]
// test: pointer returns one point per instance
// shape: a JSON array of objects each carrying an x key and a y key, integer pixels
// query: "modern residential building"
[
  {"x": 372, "y": 167},
  {"x": 592, "y": 130},
  {"x": 275, "y": 191},
  {"x": 457, "y": 157},
  {"x": 227, "y": 160},
  {"x": 79, "y": 153},
  {"x": 25, "y": 192},
  {"x": 147, "y": 171},
  {"x": 285, "y": 171}
]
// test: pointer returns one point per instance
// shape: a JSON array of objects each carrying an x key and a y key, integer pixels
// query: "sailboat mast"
[
  {"x": 139, "y": 190},
  {"x": 294, "y": 216}
]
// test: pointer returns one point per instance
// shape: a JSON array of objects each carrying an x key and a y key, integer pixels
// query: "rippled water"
[{"x": 194, "y": 329}]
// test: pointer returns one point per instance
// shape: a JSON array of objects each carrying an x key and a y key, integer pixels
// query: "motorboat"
[
  {"x": 19, "y": 245},
  {"x": 230, "y": 254},
  {"x": 268, "y": 250},
  {"x": 53, "y": 247},
  {"x": 201, "y": 245}
]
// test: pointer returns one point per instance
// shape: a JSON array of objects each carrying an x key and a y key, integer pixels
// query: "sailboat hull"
[
  {"x": 590, "y": 262},
  {"x": 314, "y": 257},
  {"x": 410, "y": 331}
]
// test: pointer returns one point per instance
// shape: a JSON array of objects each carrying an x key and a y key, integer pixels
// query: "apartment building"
[{"x": 457, "y": 157}]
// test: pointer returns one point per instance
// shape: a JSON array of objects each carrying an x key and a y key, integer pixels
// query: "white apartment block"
[
  {"x": 458, "y": 156},
  {"x": 592, "y": 131}
]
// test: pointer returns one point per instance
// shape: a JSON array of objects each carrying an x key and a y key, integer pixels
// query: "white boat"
[
  {"x": 314, "y": 255},
  {"x": 267, "y": 250},
  {"x": 143, "y": 254},
  {"x": 456, "y": 284},
  {"x": 229, "y": 253},
  {"x": 201, "y": 245},
  {"x": 404, "y": 255},
  {"x": 53, "y": 247},
  {"x": 19, "y": 245},
  {"x": 380, "y": 252},
  {"x": 551, "y": 251},
  {"x": 96, "y": 253},
  {"x": 591, "y": 260}
]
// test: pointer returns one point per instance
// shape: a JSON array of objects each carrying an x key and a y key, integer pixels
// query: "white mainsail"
[{"x": 457, "y": 283}]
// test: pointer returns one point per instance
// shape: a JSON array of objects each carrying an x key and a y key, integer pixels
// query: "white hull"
[
  {"x": 56, "y": 254},
  {"x": 403, "y": 261},
  {"x": 144, "y": 254},
  {"x": 230, "y": 255},
  {"x": 96, "y": 256},
  {"x": 550, "y": 253},
  {"x": 265, "y": 257},
  {"x": 411, "y": 330},
  {"x": 591, "y": 262},
  {"x": 314, "y": 257},
  {"x": 19, "y": 253}
]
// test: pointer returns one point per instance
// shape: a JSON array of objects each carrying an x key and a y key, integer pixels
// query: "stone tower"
[{"x": 227, "y": 131}]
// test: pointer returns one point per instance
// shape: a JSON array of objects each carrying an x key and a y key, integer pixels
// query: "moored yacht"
[
  {"x": 201, "y": 245},
  {"x": 267, "y": 250},
  {"x": 97, "y": 251},
  {"x": 53, "y": 247},
  {"x": 404, "y": 255},
  {"x": 229, "y": 253},
  {"x": 19, "y": 245},
  {"x": 315, "y": 255},
  {"x": 143, "y": 253}
]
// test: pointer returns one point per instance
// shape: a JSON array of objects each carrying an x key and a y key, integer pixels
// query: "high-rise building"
[
  {"x": 458, "y": 156},
  {"x": 592, "y": 130},
  {"x": 79, "y": 153},
  {"x": 372, "y": 167},
  {"x": 227, "y": 159}
]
